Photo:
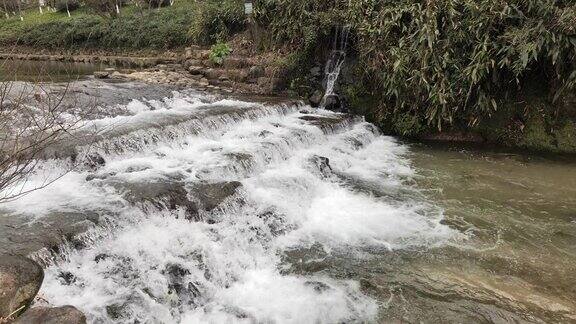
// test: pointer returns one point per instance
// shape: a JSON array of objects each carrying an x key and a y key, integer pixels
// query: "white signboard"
[{"x": 248, "y": 8}]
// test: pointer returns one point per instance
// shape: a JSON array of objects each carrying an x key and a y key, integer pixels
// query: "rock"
[
  {"x": 19, "y": 235},
  {"x": 110, "y": 69},
  {"x": 169, "y": 194},
  {"x": 256, "y": 72},
  {"x": 332, "y": 102},
  {"x": 56, "y": 315},
  {"x": 193, "y": 62},
  {"x": 212, "y": 74},
  {"x": 20, "y": 280},
  {"x": 316, "y": 98},
  {"x": 322, "y": 164},
  {"x": 94, "y": 160},
  {"x": 211, "y": 195},
  {"x": 316, "y": 71},
  {"x": 101, "y": 74}
]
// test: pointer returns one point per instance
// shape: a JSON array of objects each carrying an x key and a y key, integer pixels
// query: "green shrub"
[
  {"x": 446, "y": 62},
  {"x": 219, "y": 53},
  {"x": 217, "y": 20},
  {"x": 145, "y": 29}
]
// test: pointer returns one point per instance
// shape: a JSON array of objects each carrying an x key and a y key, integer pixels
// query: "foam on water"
[{"x": 158, "y": 267}]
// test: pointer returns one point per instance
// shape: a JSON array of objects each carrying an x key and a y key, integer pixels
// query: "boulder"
[
  {"x": 321, "y": 164},
  {"x": 20, "y": 280},
  {"x": 211, "y": 195},
  {"x": 101, "y": 74},
  {"x": 169, "y": 194},
  {"x": 19, "y": 235},
  {"x": 332, "y": 102},
  {"x": 56, "y": 315},
  {"x": 316, "y": 98}
]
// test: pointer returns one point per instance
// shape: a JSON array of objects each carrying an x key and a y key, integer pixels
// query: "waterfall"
[{"x": 335, "y": 62}]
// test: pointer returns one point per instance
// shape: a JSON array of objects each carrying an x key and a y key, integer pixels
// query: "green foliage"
[
  {"x": 219, "y": 52},
  {"x": 134, "y": 29},
  {"x": 566, "y": 137},
  {"x": 216, "y": 20},
  {"x": 446, "y": 62}
]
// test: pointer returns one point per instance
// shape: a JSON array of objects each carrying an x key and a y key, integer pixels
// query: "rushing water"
[{"x": 329, "y": 222}]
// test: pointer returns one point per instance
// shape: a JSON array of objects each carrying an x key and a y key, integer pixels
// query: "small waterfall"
[
  {"x": 279, "y": 180},
  {"x": 335, "y": 62}
]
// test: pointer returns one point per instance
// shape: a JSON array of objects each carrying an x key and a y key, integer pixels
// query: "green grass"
[{"x": 135, "y": 28}]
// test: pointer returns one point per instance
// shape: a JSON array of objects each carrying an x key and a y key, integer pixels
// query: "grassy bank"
[{"x": 187, "y": 21}]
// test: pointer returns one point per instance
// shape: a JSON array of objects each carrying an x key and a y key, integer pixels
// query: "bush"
[
  {"x": 219, "y": 53},
  {"x": 445, "y": 62},
  {"x": 147, "y": 29},
  {"x": 217, "y": 20}
]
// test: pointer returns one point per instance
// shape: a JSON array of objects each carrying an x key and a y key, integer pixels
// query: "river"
[{"x": 215, "y": 209}]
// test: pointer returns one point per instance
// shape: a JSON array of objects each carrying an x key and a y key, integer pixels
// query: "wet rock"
[
  {"x": 332, "y": 102},
  {"x": 186, "y": 291},
  {"x": 329, "y": 124},
  {"x": 319, "y": 287},
  {"x": 94, "y": 160},
  {"x": 20, "y": 280},
  {"x": 321, "y": 164},
  {"x": 316, "y": 98},
  {"x": 101, "y": 74},
  {"x": 116, "y": 311},
  {"x": 101, "y": 257},
  {"x": 67, "y": 278},
  {"x": 211, "y": 195},
  {"x": 56, "y": 315},
  {"x": 169, "y": 194},
  {"x": 19, "y": 235}
]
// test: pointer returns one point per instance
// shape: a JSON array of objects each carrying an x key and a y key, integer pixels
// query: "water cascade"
[
  {"x": 334, "y": 66},
  {"x": 220, "y": 211}
]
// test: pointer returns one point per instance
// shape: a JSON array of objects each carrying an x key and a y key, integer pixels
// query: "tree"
[{"x": 32, "y": 119}]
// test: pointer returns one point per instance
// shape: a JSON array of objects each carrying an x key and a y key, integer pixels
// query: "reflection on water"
[
  {"x": 45, "y": 71},
  {"x": 519, "y": 263}
]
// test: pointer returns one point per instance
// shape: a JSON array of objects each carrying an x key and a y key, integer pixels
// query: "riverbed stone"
[
  {"x": 321, "y": 165},
  {"x": 56, "y": 315},
  {"x": 332, "y": 102},
  {"x": 22, "y": 236},
  {"x": 212, "y": 195},
  {"x": 20, "y": 280},
  {"x": 316, "y": 98},
  {"x": 101, "y": 74},
  {"x": 167, "y": 193}
]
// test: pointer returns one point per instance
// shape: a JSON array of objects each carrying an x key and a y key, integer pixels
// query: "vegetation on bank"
[
  {"x": 505, "y": 69},
  {"x": 136, "y": 27},
  {"x": 435, "y": 65}
]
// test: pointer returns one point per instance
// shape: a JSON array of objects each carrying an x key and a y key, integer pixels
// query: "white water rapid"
[{"x": 301, "y": 186}]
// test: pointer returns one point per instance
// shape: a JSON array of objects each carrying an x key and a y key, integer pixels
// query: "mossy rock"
[
  {"x": 536, "y": 136},
  {"x": 566, "y": 137}
]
